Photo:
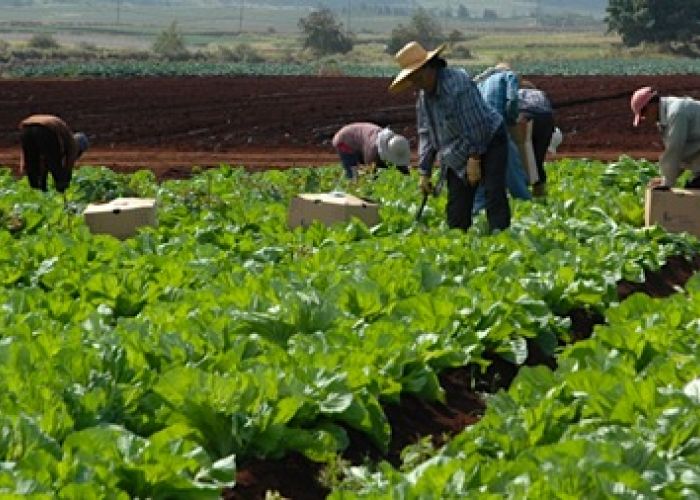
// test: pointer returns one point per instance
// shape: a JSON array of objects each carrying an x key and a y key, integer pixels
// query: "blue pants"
[
  {"x": 350, "y": 162},
  {"x": 516, "y": 181}
]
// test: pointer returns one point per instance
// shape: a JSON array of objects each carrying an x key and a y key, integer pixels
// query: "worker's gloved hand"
[
  {"x": 474, "y": 170},
  {"x": 426, "y": 187}
]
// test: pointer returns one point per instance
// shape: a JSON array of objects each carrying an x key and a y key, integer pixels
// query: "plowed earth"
[{"x": 171, "y": 124}]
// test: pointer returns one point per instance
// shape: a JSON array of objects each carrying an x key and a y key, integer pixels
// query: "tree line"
[{"x": 673, "y": 24}]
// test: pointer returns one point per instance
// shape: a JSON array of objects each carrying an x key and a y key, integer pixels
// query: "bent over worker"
[
  {"x": 499, "y": 87},
  {"x": 535, "y": 106},
  {"x": 455, "y": 124},
  {"x": 48, "y": 145},
  {"x": 365, "y": 143},
  {"x": 678, "y": 120}
]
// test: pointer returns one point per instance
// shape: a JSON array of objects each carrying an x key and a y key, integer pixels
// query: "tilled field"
[{"x": 170, "y": 124}]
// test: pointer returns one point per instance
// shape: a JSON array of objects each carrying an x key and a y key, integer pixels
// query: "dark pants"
[
  {"x": 542, "y": 130},
  {"x": 42, "y": 154},
  {"x": 460, "y": 197},
  {"x": 350, "y": 161},
  {"x": 693, "y": 183}
]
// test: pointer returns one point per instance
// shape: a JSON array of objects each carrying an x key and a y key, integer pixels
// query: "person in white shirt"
[{"x": 678, "y": 120}]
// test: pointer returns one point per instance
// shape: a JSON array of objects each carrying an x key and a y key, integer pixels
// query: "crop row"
[
  {"x": 619, "y": 418},
  {"x": 603, "y": 66},
  {"x": 152, "y": 366}
]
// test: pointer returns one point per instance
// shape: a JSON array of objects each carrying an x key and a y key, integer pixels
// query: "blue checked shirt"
[
  {"x": 500, "y": 90},
  {"x": 454, "y": 122}
]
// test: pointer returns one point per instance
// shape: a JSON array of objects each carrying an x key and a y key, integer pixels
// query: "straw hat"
[{"x": 411, "y": 58}]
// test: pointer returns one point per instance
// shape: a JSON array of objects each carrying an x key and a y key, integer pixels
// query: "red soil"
[{"x": 171, "y": 124}]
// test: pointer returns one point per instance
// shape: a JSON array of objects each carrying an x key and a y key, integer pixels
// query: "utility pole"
[
  {"x": 240, "y": 18},
  {"x": 349, "y": 8},
  {"x": 119, "y": 4}
]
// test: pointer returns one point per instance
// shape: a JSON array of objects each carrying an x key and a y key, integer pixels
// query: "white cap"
[
  {"x": 554, "y": 143},
  {"x": 393, "y": 148}
]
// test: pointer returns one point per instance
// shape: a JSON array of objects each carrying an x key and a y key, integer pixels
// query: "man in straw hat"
[
  {"x": 456, "y": 125},
  {"x": 48, "y": 145},
  {"x": 678, "y": 119}
]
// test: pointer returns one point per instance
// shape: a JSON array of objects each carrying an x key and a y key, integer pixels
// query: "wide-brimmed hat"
[
  {"x": 411, "y": 58},
  {"x": 393, "y": 148}
]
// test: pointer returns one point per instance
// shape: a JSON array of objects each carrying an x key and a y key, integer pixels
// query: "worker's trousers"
[{"x": 460, "y": 198}]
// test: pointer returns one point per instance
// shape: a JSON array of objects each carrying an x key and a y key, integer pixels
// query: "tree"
[
  {"x": 43, "y": 41},
  {"x": 323, "y": 34},
  {"x": 170, "y": 43},
  {"x": 674, "y": 22},
  {"x": 423, "y": 28}
]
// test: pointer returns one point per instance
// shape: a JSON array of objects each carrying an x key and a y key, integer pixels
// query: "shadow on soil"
[{"x": 296, "y": 477}]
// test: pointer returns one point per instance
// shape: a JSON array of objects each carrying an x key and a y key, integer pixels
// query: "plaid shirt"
[{"x": 453, "y": 122}]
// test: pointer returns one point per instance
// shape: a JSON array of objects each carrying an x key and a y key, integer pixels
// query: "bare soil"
[{"x": 171, "y": 124}]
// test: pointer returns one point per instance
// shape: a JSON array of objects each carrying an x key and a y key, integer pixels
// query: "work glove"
[
  {"x": 426, "y": 187},
  {"x": 474, "y": 170}
]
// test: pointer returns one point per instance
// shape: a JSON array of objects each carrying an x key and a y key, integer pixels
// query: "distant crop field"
[{"x": 126, "y": 19}]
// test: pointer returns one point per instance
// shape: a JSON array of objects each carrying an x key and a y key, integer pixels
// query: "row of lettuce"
[
  {"x": 152, "y": 367},
  {"x": 619, "y": 418},
  {"x": 115, "y": 69}
]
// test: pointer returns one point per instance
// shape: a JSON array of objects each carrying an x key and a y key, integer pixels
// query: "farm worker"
[
  {"x": 535, "y": 106},
  {"x": 369, "y": 144},
  {"x": 678, "y": 120},
  {"x": 456, "y": 125},
  {"x": 499, "y": 87},
  {"x": 48, "y": 145}
]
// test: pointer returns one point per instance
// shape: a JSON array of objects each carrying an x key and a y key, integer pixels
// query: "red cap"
[{"x": 639, "y": 101}]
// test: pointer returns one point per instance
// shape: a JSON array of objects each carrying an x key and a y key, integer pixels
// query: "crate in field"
[
  {"x": 329, "y": 208},
  {"x": 121, "y": 217},
  {"x": 676, "y": 210}
]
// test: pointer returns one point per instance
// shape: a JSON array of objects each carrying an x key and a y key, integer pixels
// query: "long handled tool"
[{"x": 435, "y": 192}]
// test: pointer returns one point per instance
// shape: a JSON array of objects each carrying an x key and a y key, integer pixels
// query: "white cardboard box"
[
  {"x": 121, "y": 217},
  {"x": 329, "y": 208},
  {"x": 676, "y": 210}
]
